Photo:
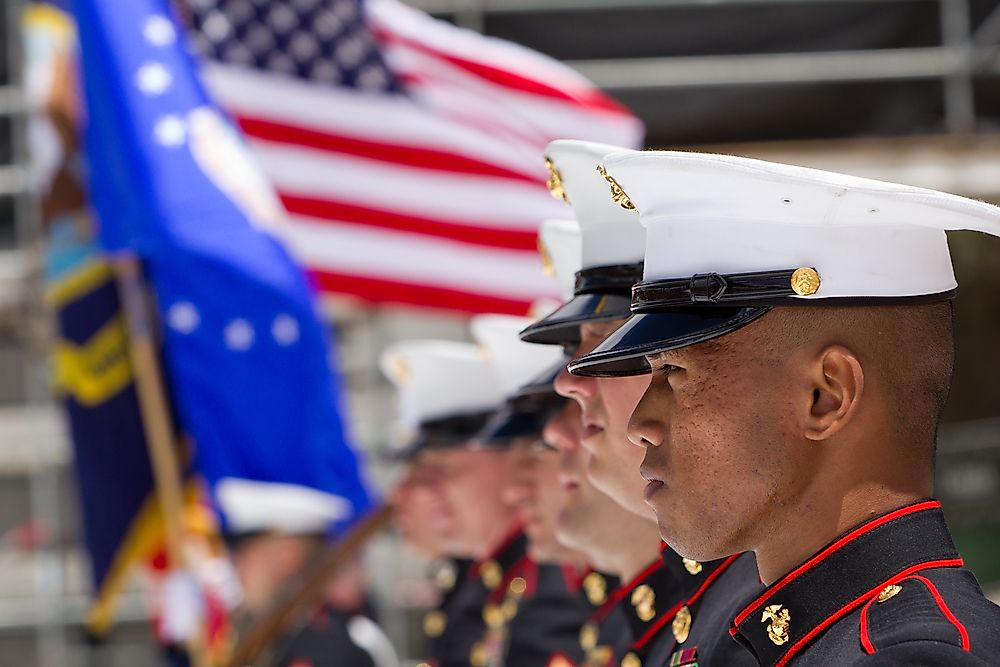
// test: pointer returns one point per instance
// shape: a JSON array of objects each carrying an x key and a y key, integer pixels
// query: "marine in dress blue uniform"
[{"x": 809, "y": 271}]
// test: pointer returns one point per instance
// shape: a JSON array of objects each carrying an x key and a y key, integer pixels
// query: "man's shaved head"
[{"x": 907, "y": 352}]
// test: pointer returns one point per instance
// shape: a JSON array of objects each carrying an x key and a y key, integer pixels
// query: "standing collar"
[
  {"x": 692, "y": 575},
  {"x": 841, "y": 577},
  {"x": 492, "y": 569},
  {"x": 649, "y": 602}
]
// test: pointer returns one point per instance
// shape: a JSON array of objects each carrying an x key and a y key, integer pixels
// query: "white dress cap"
[
  {"x": 853, "y": 237},
  {"x": 610, "y": 234},
  {"x": 560, "y": 244},
  {"x": 438, "y": 379},
  {"x": 251, "y": 506},
  {"x": 515, "y": 362}
]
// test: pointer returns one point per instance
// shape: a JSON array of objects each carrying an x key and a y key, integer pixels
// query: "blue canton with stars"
[{"x": 322, "y": 41}]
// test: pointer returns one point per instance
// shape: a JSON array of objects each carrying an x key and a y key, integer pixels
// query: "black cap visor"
[
  {"x": 521, "y": 417},
  {"x": 562, "y": 326},
  {"x": 623, "y": 353}
]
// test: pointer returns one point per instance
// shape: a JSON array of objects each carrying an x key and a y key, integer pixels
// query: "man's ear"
[{"x": 837, "y": 382}]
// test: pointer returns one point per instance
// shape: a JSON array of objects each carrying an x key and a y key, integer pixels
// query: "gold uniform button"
[
  {"x": 517, "y": 586},
  {"x": 692, "y": 566},
  {"x": 434, "y": 623},
  {"x": 631, "y": 660},
  {"x": 493, "y": 615},
  {"x": 479, "y": 656},
  {"x": 644, "y": 601},
  {"x": 588, "y": 637},
  {"x": 681, "y": 625},
  {"x": 491, "y": 574},
  {"x": 887, "y": 593},
  {"x": 445, "y": 576},
  {"x": 596, "y": 588},
  {"x": 805, "y": 281},
  {"x": 509, "y": 609}
]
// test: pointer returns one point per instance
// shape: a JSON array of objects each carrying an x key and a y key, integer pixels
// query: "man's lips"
[
  {"x": 590, "y": 427},
  {"x": 654, "y": 481},
  {"x": 567, "y": 481}
]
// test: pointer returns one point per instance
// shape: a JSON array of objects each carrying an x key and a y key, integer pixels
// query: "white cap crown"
[
  {"x": 437, "y": 379},
  {"x": 560, "y": 244},
  {"x": 610, "y": 234},
  {"x": 515, "y": 362},
  {"x": 721, "y": 214}
]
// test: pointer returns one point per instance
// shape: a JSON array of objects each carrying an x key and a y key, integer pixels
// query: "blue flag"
[{"x": 247, "y": 359}]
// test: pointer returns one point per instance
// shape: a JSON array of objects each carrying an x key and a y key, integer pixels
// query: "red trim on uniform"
[
  {"x": 963, "y": 633},
  {"x": 853, "y": 604},
  {"x": 866, "y": 642},
  {"x": 619, "y": 593},
  {"x": 822, "y": 555},
  {"x": 574, "y": 577},
  {"x": 508, "y": 539},
  {"x": 555, "y": 658},
  {"x": 654, "y": 629}
]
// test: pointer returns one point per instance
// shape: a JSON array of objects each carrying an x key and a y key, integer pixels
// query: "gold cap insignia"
[
  {"x": 547, "y": 265},
  {"x": 631, "y": 660},
  {"x": 644, "y": 601},
  {"x": 555, "y": 182},
  {"x": 618, "y": 195},
  {"x": 399, "y": 370},
  {"x": 434, "y": 623},
  {"x": 692, "y": 566},
  {"x": 681, "y": 625},
  {"x": 889, "y": 592},
  {"x": 588, "y": 636},
  {"x": 595, "y": 586},
  {"x": 805, "y": 281},
  {"x": 491, "y": 574},
  {"x": 778, "y": 619}
]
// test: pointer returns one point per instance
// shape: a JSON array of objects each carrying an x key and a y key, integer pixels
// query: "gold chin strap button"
[
  {"x": 805, "y": 281},
  {"x": 596, "y": 588},
  {"x": 491, "y": 574},
  {"x": 631, "y": 660},
  {"x": 434, "y": 623},
  {"x": 681, "y": 625},
  {"x": 692, "y": 566},
  {"x": 778, "y": 620},
  {"x": 887, "y": 593}
]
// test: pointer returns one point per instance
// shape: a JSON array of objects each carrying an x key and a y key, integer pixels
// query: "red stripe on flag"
[
  {"x": 328, "y": 209},
  {"x": 424, "y": 158},
  {"x": 591, "y": 98},
  {"x": 378, "y": 290}
]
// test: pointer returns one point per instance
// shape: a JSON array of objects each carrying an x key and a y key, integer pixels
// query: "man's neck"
[
  {"x": 819, "y": 522},
  {"x": 626, "y": 558}
]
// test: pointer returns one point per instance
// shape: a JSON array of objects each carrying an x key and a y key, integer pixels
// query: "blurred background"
[{"x": 901, "y": 90}]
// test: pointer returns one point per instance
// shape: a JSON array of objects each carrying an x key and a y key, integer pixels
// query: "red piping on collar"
[
  {"x": 822, "y": 555},
  {"x": 619, "y": 593},
  {"x": 574, "y": 577},
  {"x": 508, "y": 539},
  {"x": 853, "y": 604},
  {"x": 708, "y": 582},
  {"x": 866, "y": 641}
]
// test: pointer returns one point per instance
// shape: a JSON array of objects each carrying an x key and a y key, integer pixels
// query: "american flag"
[{"x": 407, "y": 152}]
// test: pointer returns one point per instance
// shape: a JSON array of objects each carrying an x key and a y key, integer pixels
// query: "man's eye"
[{"x": 663, "y": 368}]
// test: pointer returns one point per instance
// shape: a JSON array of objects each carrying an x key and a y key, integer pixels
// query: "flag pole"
[
  {"x": 155, "y": 413},
  {"x": 305, "y": 595}
]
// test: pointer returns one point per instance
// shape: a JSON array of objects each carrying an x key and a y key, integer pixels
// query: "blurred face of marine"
[
  {"x": 606, "y": 405},
  {"x": 538, "y": 498},
  {"x": 587, "y": 512},
  {"x": 415, "y": 503},
  {"x": 264, "y": 563},
  {"x": 470, "y": 516}
]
